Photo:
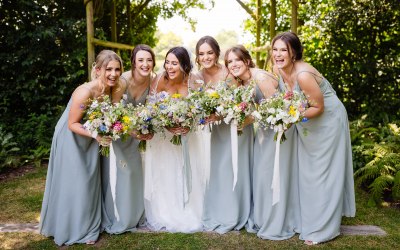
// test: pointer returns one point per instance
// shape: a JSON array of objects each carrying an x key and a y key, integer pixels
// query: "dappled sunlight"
[{"x": 18, "y": 240}]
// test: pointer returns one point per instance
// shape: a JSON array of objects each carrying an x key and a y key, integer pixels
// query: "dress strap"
[
  {"x": 154, "y": 90},
  {"x": 84, "y": 85},
  {"x": 313, "y": 74}
]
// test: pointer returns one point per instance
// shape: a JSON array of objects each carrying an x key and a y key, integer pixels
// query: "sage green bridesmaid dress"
[
  {"x": 225, "y": 208},
  {"x": 282, "y": 220},
  {"x": 71, "y": 209},
  {"x": 326, "y": 184},
  {"x": 122, "y": 184}
]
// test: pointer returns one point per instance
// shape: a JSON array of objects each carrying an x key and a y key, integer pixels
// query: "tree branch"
[{"x": 247, "y": 9}]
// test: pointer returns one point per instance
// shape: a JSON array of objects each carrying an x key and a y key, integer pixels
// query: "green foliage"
[
  {"x": 38, "y": 156},
  {"x": 43, "y": 55},
  {"x": 353, "y": 43},
  {"x": 376, "y": 153},
  {"x": 8, "y": 150}
]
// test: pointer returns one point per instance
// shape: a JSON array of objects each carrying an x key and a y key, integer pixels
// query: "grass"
[{"x": 21, "y": 197}]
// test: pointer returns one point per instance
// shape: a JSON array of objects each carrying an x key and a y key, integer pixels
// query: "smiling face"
[
  {"x": 144, "y": 63},
  {"x": 236, "y": 66},
  {"x": 207, "y": 56},
  {"x": 110, "y": 74},
  {"x": 281, "y": 54},
  {"x": 172, "y": 66}
]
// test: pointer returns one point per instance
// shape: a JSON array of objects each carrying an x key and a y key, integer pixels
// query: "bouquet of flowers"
[
  {"x": 141, "y": 118},
  {"x": 106, "y": 119},
  {"x": 280, "y": 111},
  {"x": 172, "y": 111},
  {"x": 204, "y": 102},
  {"x": 236, "y": 103}
]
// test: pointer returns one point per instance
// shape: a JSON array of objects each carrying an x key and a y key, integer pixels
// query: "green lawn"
[{"x": 20, "y": 202}]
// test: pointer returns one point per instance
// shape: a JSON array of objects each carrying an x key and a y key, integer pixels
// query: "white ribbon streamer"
[
  {"x": 234, "y": 148},
  {"x": 275, "y": 186},
  {"x": 113, "y": 179},
  {"x": 148, "y": 174},
  {"x": 206, "y": 144}
]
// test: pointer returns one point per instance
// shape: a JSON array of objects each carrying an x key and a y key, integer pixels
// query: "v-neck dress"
[
  {"x": 122, "y": 183},
  {"x": 71, "y": 209},
  {"x": 326, "y": 184},
  {"x": 282, "y": 220}
]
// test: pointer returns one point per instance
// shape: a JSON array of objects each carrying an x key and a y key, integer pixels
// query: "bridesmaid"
[
  {"x": 207, "y": 55},
  {"x": 326, "y": 185},
  {"x": 71, "y": 209},
  {"x": 271, "y": 221},
  {"x": 122, "y": 175},
  {"x": 227, "y": 208}
]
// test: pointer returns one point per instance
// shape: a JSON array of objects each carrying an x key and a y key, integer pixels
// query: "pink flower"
[
  {"x": 243, "y": 106},
  {"x": 288, "y": 95},
  {"x": 117, "y": 126}
]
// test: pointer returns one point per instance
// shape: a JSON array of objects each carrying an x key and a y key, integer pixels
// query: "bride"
[{"x": 173, "y": 197}]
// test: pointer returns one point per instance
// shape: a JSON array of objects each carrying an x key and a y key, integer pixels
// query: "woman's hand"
[
  {"x": 179, "y": 130},
  {"x": 142, "y": 137},
  {"x": 213, "y": 118},
  {"x": 247, "y": 121},
  {"x": 104, "y": 141}
]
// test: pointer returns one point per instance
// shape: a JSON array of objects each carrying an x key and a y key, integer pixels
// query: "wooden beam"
[
  {"x": 266, "y": 47},
  {"x": 112, "y": 44}
]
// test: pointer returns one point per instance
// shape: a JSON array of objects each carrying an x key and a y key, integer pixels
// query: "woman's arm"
[{"x": 311, "y": 90}]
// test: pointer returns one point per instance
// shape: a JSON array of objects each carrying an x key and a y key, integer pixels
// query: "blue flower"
[
  {"x": 202, "y": 121},
  {"x": 103, "y": 128}
]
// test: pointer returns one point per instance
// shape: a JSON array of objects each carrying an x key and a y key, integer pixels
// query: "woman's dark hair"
[
  {"x": 210, "y": 41},
  {"x": 183, "y": 57},
  {"x": 293, "y": 42},
  {"x": 138, "y": 48},
  {"x": 243, "y": 54}
]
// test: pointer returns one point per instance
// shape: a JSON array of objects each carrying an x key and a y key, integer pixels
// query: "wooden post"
[
  {"x": 293, "y": 26},
  {"x": 90, "y": 35},
  {"x": 258, "y": 30},
  {"x": 272, "y": 20},
  {"x": 113, "y": 22}
]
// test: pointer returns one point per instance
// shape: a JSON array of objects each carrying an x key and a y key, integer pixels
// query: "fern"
[
  {"x": 8, "y": 150},
  {"x": 379, "y": 152}
]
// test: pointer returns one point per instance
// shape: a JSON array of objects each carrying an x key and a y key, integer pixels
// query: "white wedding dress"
[
  {"x": 169, "y": 205},
  {"x": 174, "y": 191}
]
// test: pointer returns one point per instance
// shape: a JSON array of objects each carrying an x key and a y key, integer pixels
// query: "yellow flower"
[
  {"x": 126, "y": 119},
  {"x": 214, "y": 95},
  {"x": 125, "y": 128},
  {"x": 292, "y": 111},
  {"x": 176, "y": 95}
]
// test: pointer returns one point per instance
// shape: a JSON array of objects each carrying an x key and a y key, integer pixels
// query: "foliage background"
[{"x": 355, "y": 44}]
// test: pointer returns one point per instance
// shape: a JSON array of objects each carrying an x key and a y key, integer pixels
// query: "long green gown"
[
  {"x": 71, "y": 209},
  {"x": 225, "y": 208},
  {"x": 122, "y": 184},
  {"x": 282, "y": 220},
  {"x": 326, "y": 184}
]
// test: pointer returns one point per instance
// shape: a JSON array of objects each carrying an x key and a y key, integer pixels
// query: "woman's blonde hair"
[{"x": 102, "y": 60}]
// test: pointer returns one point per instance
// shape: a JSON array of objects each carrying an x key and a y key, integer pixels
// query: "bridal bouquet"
[
  {"x": 280, "y": 111},
  {"x": 236, "y": 104},
  {"x": 141, "y": 117},
  {"x": 173, "y": 111},
  {"x": 106, "y": 119}
]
